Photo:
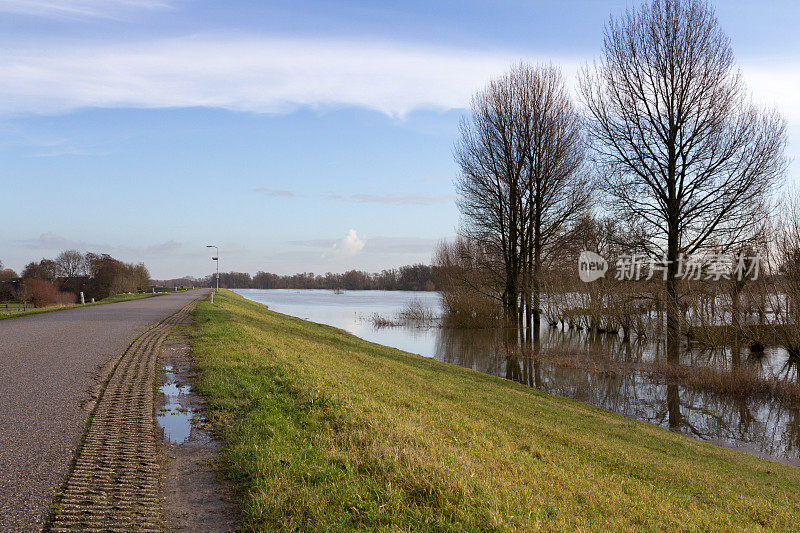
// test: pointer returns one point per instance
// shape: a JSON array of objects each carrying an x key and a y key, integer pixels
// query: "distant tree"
[
  {"x": 265, "y": 280},
  {"x": 6, "y": 274},
  {"x": 235, "y": 280},
  {"x": 7, "y": 287},
  {"x": 141, "y": 277},
  {"x": 684, "y": 153},
  {"x": 71, "y": 263},
  {"x": 105, "y": 272},
  {"x": 410, "y": 278},
  {"x": 46, "y": 269},
  {"x": 130, "y": 278}
]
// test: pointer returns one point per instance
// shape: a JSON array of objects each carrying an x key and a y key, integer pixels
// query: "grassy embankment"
[
  {"x": 326, "y": 431},
  {"x": 13, "y": 312}
]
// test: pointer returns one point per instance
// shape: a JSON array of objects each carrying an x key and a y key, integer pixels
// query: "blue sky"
[{"x": 298, "y": 136}]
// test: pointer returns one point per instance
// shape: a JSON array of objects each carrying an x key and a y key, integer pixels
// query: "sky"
[{"x": 298, "y": 136}]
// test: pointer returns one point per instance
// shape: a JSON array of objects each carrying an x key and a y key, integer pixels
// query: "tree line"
[
  {"x": 663, "y": 154},
  {"x": 417, "y": 277},
  {"x": 61, "y": 279}
]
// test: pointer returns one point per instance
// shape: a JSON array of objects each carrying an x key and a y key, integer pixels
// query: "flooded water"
[
  {"x": 765, "y": 428},
  {"x": 173, "y": 418}
]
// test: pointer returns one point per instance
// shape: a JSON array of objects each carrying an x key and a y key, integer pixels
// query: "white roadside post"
[{"x": 83, "y": 301}]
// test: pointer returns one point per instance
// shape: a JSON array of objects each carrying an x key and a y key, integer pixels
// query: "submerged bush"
[{"x": 417, "y": 313}]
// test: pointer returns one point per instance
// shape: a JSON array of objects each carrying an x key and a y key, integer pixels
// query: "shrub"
[{"x": 43, "y": 293}]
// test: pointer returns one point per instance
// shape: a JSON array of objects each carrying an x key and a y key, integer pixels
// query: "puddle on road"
[{"x": 174, "y": 418}]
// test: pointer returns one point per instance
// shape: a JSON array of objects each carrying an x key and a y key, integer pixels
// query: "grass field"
[
  {"x": 14, "y": 312},
  {"x": 325, "y": 431}
]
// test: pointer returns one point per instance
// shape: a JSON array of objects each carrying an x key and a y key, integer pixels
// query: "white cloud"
[
  {"x": 248, "y": 74},
  {"x": 761, "y": 78},
  {"x": 279, "y": 74},
  {"x": 775, "y": 84},
  {"x": 347, "y": 247},
  {"x": 78, "y": 8}
]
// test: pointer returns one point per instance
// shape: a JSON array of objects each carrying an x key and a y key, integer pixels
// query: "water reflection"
[
  {"x": 174, "y": 419},
  {"x": 580, "y": 365}
]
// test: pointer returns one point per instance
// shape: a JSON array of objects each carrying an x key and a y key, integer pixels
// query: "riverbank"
[{"x": 326, "y": 431}]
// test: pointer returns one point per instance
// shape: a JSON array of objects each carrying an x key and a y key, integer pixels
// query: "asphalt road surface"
[{"x": 48, "y": 365}]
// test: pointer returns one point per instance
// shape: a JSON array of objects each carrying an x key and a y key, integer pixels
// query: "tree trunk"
[
  {"x": 674, "y": 407},
  {"x": 673, "y": 250}
]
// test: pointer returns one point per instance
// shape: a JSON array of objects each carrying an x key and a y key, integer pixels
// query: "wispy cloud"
[
  {"x": 314, "y": 243},
  {"x": 397, "y": 199},
  {"x": 54, "y": 243},
  {"x": 272, "y": 74},
  {"x": 408, "y": 199},
  {"x": 377, "y": 245},
  {"x": 276, "y": 193},
  {"x": 169, "y": 246},
  {"x": 258, "y": 74},
  {"x": 78, "y": 8},
  {"x": 51, "y": 241},
  {"x": 435, "y": 179},
  {"x": 402, "y": 245}
]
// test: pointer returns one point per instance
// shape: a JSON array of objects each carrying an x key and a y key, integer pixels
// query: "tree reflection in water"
[{"x": 763, "y": 427}]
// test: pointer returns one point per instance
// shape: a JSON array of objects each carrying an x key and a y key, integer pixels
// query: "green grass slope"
[{"x": 325, "y": 431}]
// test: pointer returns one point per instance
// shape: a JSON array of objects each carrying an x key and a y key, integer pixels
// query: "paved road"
[{"x": 48, "y": 365}]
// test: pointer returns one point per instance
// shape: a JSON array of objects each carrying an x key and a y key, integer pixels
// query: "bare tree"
[
  {"x": 520, "y": 156},
  {"x": 684, "y": 152},
  {"x": 557, "y": 191},
  {"x": 492, "y": 157},
  {"x": 71, "y": 263},
  {"x": 783, "y": 292}
]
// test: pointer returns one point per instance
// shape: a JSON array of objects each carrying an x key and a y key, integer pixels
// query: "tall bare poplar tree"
[
  {"x": 521, "y": 154},
  {"x": 557, "y": 192},
  {"x": 683, "y": 151},
  {"x": 492, "y": 156}
]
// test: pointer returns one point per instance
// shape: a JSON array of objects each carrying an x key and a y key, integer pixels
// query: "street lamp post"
[{"x": 215, "y": 258}]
